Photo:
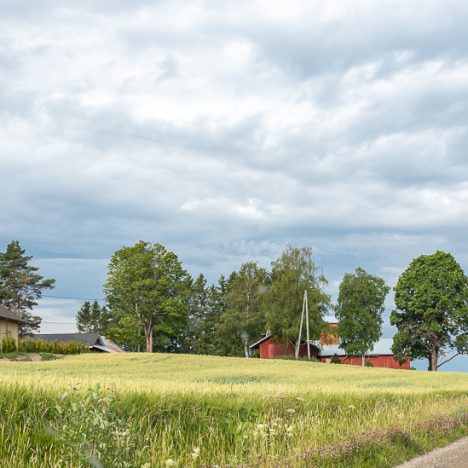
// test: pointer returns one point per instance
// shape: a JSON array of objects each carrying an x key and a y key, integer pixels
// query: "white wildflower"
[{"x": 195, "y": 453}]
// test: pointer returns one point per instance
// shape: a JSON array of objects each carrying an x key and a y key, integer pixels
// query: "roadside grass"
[{"x": 151, "y": 411}]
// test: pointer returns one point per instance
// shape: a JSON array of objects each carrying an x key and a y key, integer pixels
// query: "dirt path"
[{"x": 453, "y": 456}]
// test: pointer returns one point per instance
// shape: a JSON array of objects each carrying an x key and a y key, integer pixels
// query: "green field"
[{"x": 179, "y": 410}]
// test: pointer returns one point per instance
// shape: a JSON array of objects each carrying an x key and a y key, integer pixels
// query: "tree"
[
  {"x": 128, "y": 333},
  {"x": 149, "y": 282},
  {"x": 292, "y": 274},
  {"x": 21, "y": 286},
  {"x": 206, "y": 306},
  {"x": 359, "y": 312},
  {"x": 88, "y": 318},
  {"x": 431, "y": 297},
  {"x": 83, "y": 318},
  {"x": 244, "y": 317}
]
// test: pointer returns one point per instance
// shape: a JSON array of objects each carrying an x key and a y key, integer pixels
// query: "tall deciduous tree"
[
  {"x": 244, "y": 317},
  {"x": 21, "y": 286},
  {"x": 359, "y": 312},
  {"x": 292, "y": 274},
  {"x": 148, "y": 281},
  {"x": 431, "y": 297}
]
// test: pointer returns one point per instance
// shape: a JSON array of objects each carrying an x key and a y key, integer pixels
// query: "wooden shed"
[{"x": 9, "y": 323}]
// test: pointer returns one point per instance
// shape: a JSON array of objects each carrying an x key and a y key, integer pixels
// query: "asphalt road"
[{"x": 452, "y": 456}]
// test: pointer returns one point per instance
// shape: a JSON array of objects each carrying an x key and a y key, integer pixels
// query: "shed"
[{"x": 9, "y": 323}]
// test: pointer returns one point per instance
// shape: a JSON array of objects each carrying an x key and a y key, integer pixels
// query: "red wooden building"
[{"x": 328, "y": 348}]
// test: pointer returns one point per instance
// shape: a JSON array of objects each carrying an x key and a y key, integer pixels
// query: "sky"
[{"x": 229, "y": 130}]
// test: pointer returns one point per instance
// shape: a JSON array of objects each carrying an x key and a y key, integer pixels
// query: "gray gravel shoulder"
[{"x": 454, "y": 455}]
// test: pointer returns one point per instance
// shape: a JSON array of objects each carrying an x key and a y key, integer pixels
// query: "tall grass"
[{"x": 162, "y": 410}]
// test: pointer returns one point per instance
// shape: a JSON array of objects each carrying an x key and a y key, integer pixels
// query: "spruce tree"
[{"x": 89, "y": 318}]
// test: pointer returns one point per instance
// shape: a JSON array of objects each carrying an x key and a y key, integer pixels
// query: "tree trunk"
[
  {"x": 363, "y": 360},
  {"x": 434, "y": 359},
  {"x": 149, "y": 337},
  {"x": 246, "y": 349}
]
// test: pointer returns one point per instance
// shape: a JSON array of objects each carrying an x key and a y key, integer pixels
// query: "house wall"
[
  {"x": 8, "y": 328},
  {"x": 387, "y": 361}
]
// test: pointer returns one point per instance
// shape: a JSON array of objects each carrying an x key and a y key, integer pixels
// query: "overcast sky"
[{"x": 229, "y": 130}]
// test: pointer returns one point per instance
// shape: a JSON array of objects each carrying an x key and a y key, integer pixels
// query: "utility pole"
[{"x": 305, "y": 311}]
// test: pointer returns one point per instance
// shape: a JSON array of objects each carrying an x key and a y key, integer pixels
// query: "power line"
[
  {"x": 60, "y": 323},
  {"x": 74, "y": 298}
]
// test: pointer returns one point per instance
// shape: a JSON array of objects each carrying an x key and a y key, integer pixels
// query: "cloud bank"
[{"x": 227, "y": 131}]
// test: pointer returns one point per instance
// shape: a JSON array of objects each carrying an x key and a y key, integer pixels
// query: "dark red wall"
[
  {"x": 387, "y": 361},
  {"x": 270, "y": 350}
]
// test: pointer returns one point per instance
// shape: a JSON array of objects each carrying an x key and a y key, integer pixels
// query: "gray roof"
[
  {"x": 9, "y": 314},
  {"x": 89, "y": 339},
  {"x": 93, "y": 340}
]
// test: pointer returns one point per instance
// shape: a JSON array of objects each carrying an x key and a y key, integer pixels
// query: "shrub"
[
  {"x": 335, "y": 359},
  {"x": 369, "y": 364},
  {"x": 8, "y": 345},
  {"x": 29, "y": 345}
]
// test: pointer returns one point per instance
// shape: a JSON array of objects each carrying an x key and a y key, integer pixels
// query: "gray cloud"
[{"x": 228, "y": 131}]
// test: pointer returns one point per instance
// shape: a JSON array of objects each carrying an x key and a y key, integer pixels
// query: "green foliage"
[
  {"x": 89, "y": 318},
  {"x": 89, "y": 425},
  {"x": 41, "y": 346},
  {"x": 431, "y": 297},
  {"x": 291, "y": 274},
  {"x": 206, "y": 306},
  {"x": 359, "y": 311},
  {"x": 369, "y": 364},
  {"x": 244, "y": 317},
  {"x": 21, "y": 286},
  {"x": 127, "y": 333},
  {"x": 8, "y": 345},
  {"x": 148, "y": 281},
  {"x": 335, "y": 359}
]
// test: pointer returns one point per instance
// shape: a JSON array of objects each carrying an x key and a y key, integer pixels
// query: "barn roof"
[
  {"x": 9, "y": 314},
  {"x": 86, "y": 338},
  {"x": 257, "y": 343}
]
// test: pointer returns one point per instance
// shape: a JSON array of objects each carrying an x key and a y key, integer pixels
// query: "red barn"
[{"x": 328, "y": 348}]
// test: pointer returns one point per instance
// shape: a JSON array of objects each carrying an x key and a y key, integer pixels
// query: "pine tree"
[{"x": 21, "y": 286}]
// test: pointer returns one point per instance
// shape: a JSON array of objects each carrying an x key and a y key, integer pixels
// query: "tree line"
[{"x": 153, "y": 304}]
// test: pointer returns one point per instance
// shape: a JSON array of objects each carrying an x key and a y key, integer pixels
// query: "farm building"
[
  {"x": 9, "y": 323},
  {"x": 327, "y": 349},
  {"x": 95, "y": 341}
]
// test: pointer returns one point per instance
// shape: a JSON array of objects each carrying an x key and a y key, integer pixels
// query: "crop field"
[{"x": 144, "y": 410}]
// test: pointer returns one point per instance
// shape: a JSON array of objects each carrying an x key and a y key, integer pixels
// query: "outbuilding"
[
  {"x": 95, "y": 341},
  {"x": 327, "y": 349},
  {"x": 9, "y": 323}
]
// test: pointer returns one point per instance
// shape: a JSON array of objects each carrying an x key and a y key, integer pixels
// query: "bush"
[
  {"x": 29, "y": 345},
  {"x": 335, "y": 359},
  {"x": 8, "y": 345},
  {"x": 369, "y": 364}
]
